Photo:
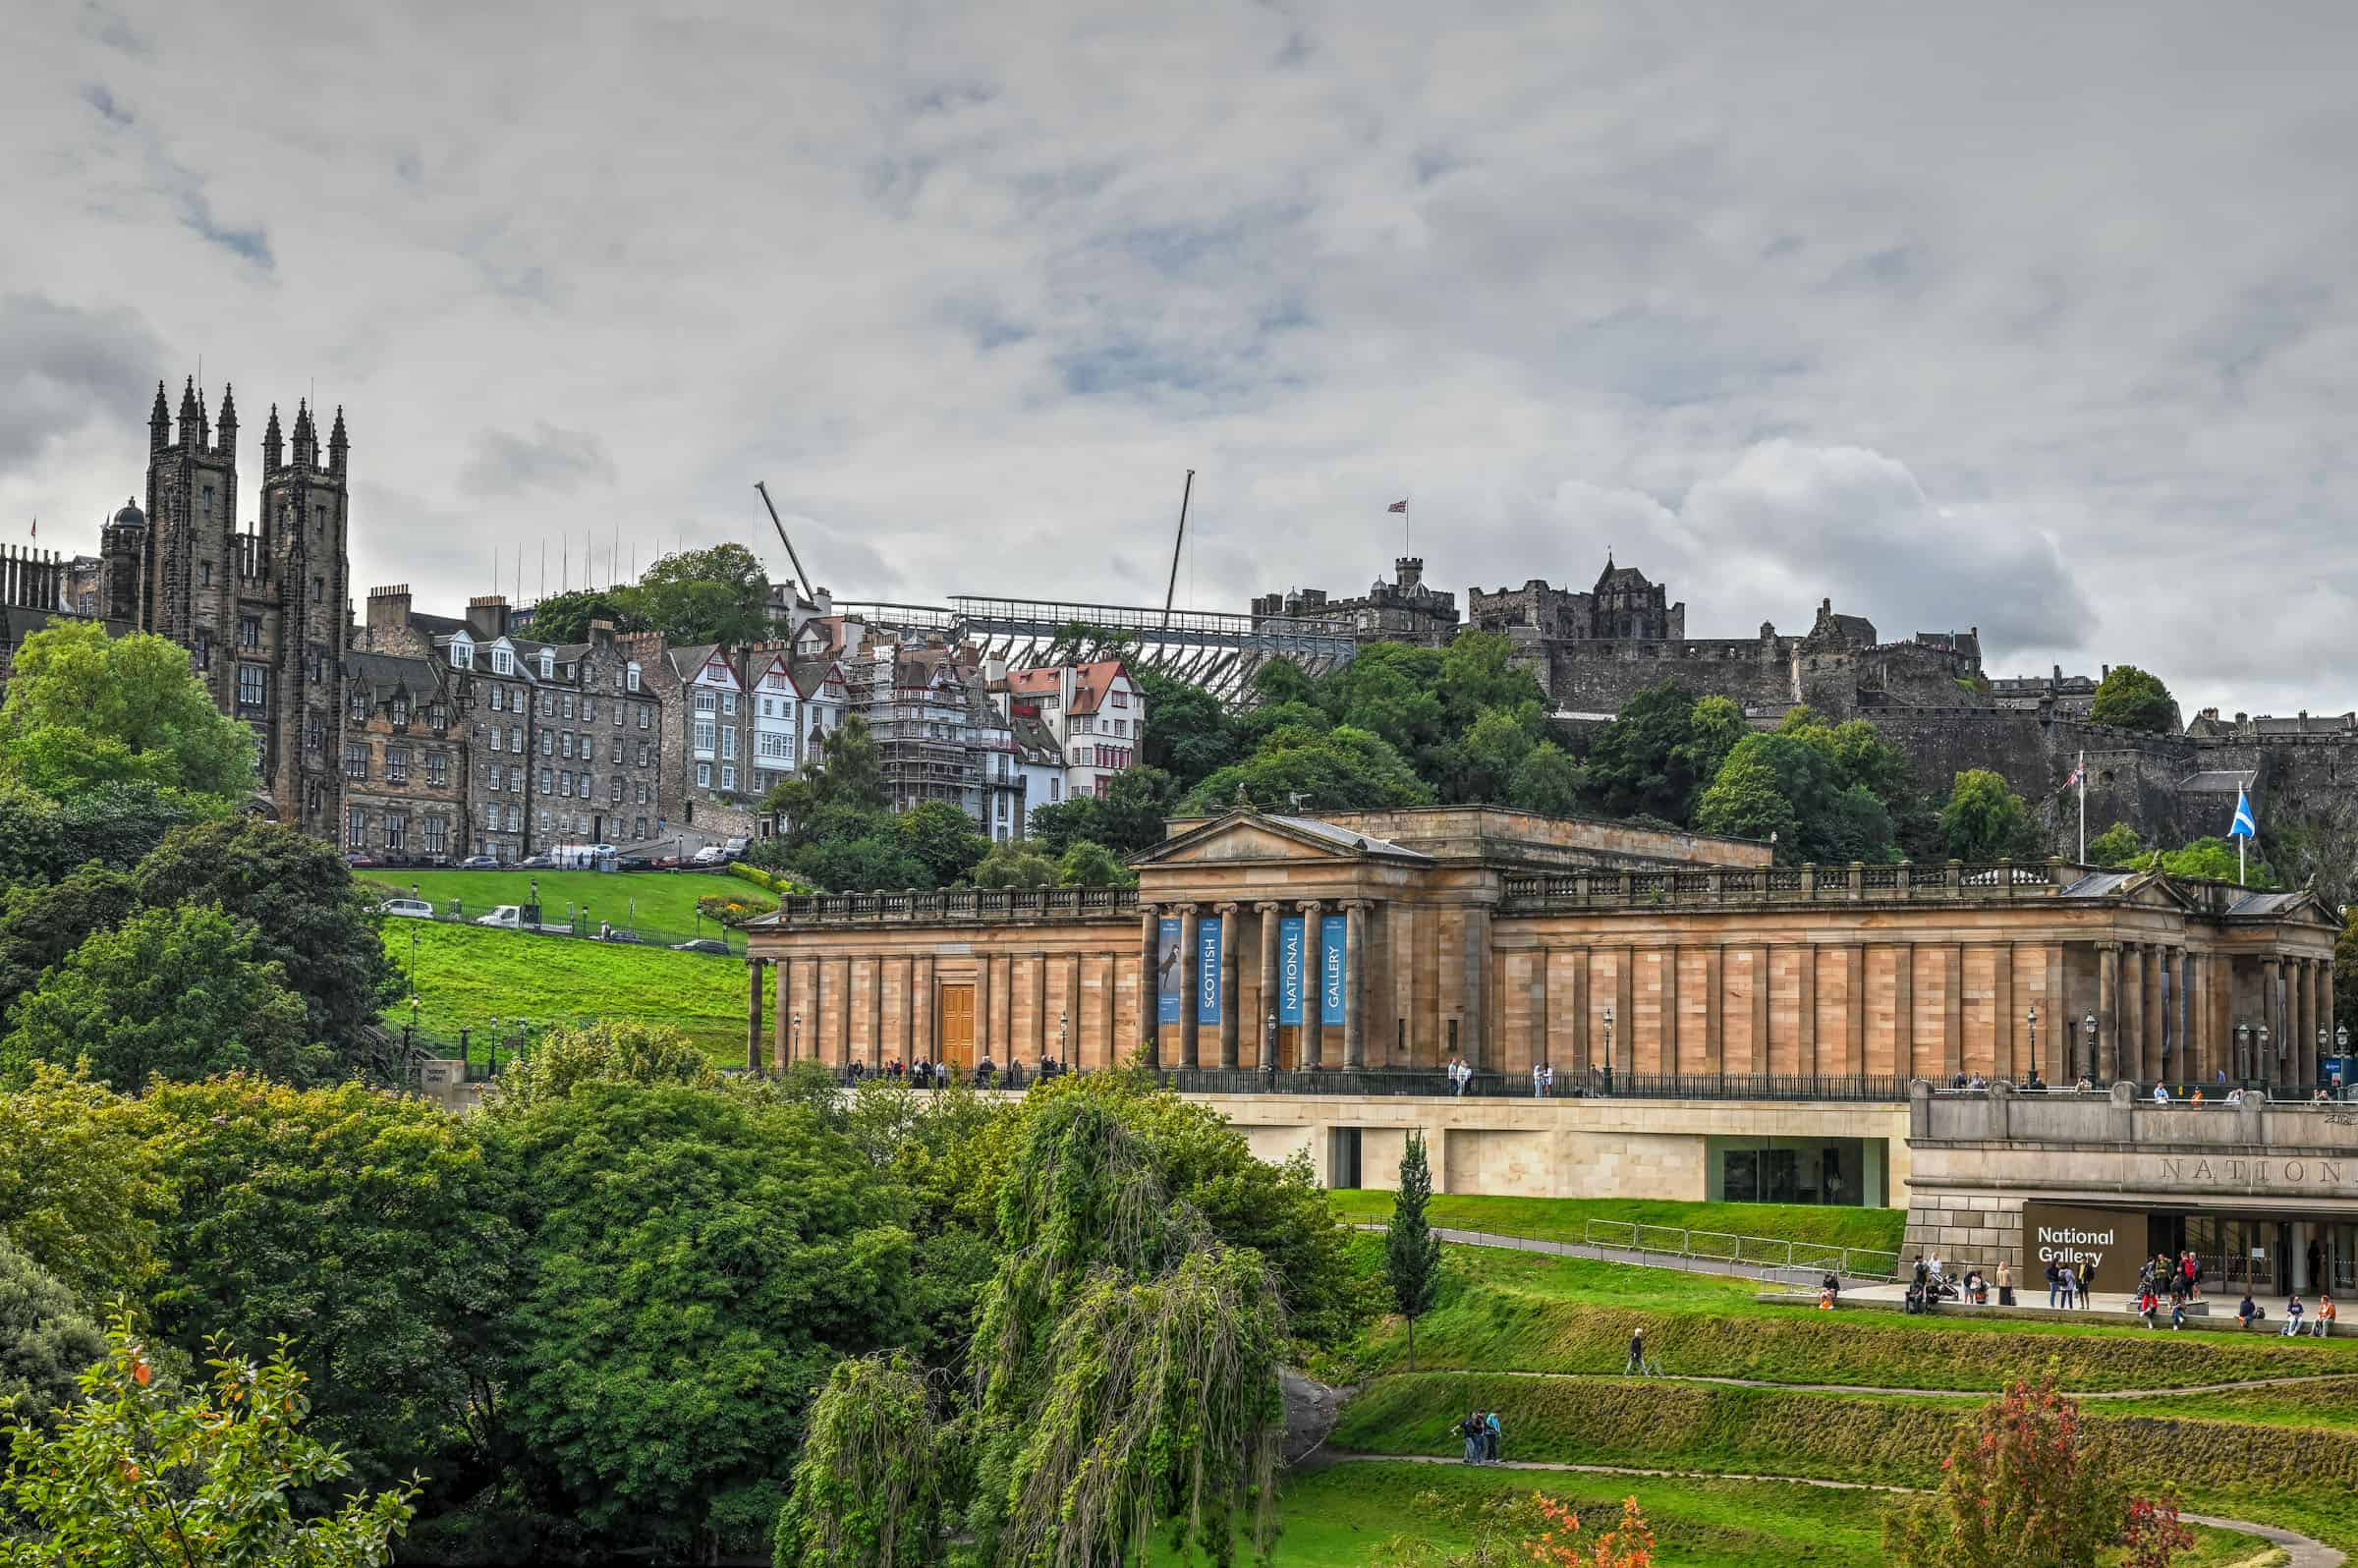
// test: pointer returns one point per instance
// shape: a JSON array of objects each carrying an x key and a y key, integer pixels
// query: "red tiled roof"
[{"x": 1091, "y": 683}]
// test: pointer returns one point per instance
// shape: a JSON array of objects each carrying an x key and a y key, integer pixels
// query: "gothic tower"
[
  {"x": 188, "y": 589},
  {"x": 304, "y": 535}
]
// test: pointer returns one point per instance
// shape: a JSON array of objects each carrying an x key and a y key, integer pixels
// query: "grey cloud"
[
  {"x": 183, "y": 188},
  {"x": 548, "y": 461},
  {"x": 64, "y": 367}
]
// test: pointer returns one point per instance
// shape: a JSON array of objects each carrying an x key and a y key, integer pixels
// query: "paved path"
[
  {"x": 1765, "y": 1273},
  {"x": 2303, "y": 1551},
  {"x": 1873, "y": 1388}
]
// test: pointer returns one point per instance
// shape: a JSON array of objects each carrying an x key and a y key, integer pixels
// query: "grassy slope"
[
  {"x": 662, "y": 899},
  {"x": 466, "y": 974},
  {"x": 1341, "y": 1517},
  {"x": 1566, "y": 1219},
  {"x": 2304, "y": 1479},
  {"x": 1503, "y": 1310}
]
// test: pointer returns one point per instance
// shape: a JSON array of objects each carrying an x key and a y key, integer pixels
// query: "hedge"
[
  {"x": 1488, "y": 1326},
  {"x": 1839, "y": 1436},
  {"x": 774, "y": 882}
]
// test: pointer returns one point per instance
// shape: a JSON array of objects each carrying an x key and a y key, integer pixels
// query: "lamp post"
[
  {"x": 1064, "y": 1024},
  {"x": 2243, "y": 1048},
  {"x": 2263, "y": 1056},
  {"x": 2341, "y": 1040},
  {"x": 494, "y": 1042},
  {"x": 2088, "y": 1063},
  {"x": 797, "y": 1050},
  {"x": 2033, "y": 1020},
  {"x": 1609, "y": 1047}
]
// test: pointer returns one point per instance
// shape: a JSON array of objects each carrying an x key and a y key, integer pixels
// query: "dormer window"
[
  {"x": 503, "y": 661},
  {"x": 462, "y": 655},
  {"x": 548, "y": 664},
  {"x": 401, "y": 710},
  {"x": 631, "y": 677}
]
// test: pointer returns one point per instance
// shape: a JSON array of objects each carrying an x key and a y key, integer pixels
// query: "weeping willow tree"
[
  {"x": 869, "y": 1490},
  {"x": 1126, "y": 1361}
]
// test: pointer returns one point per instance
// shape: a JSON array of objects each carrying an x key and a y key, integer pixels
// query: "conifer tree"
[{"x": 1411, "y": 1253}]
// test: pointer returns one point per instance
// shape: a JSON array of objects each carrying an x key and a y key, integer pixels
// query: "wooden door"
[{"x": 958, "y": 1026}]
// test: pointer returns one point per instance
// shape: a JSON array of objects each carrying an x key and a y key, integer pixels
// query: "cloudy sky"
[{"x": 2035, "y": 318}]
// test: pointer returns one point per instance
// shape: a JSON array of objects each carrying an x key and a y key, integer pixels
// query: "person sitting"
[
  {"x": 2146, "y": 1305},
  {"x": 2234, "y": 1096},
  {"x": 2292, "y": 1317},
  {"x": 2323, "y": 1324},
  {"x": 2248, "y": 1312},
  {"x": 2160, "y": 1094},
  {"x": 1828, "y": 1290}
]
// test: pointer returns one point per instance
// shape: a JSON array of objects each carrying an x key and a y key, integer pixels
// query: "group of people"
[
  {"x": 2069, "y": 1287},
  {"x": 938, "y": 1075},
  {"x": 1931, "y": 1286},
  {"x": 1481, "y": 1430},
  {"x": 2250, "y": 1312},
  {"x": 1543, "y": 1080}
]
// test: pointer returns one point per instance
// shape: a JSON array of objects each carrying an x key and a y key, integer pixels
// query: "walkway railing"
[
  {"x": 1435, "y": 1083},
  {"x": 962, "y": 904},
  {"x": 2005, "y": 881},
  {"x": 1760, "y": 1252}
]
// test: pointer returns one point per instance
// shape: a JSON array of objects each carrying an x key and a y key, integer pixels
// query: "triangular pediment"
[{"x": 1248, "y": 835}]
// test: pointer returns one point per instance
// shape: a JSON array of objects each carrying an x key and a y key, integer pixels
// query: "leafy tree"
[
  {"x": 2130, "y": 698},
  {"x": 697, "y": 1263},
  {"x": 121, "y": 824},
  {"x": 378, "y": 1225},
  {"x": 609, "y": 1052},
  {"x": 1483, "y": 760},
  {"x": 1281, "y": 680},
  {"x": 2019, "y": 1490},
  {"x": 716, "y": 594},
  {"x": 31, "y": 835},
  {"x": 308, "y": 914},
  {"x": 1549, "y": 781},
  {"x": 1477, "y": 672},
  {"x": 1393, "y": 690},
  {"x": 849, "y": 778},
  {"x": 869, "y": 1490},
  {"x": 1128, "y": 816},
  {"x": 1088, "y": 865},
  {"x": 2214, "y": 858},
  {"x": 1188, "y": 732},
  {"x": 2118, "y": 844},
  {"x": 179, "y": 992},
  {"x": 862, "y": 865},
  {"x": 1986, "y": 820},
  {"x": 943, "y": 838},
  {"x": 46, "y": 1341},
  {"x": 86, "y": 708},
  {"x": 1713, "y": 727},
  {"x": 1015, "y": 863},
  {"x": 2345, "y": 976},
  {"x": 81, "y": 1184},
  {"x": 1790, "y": 784},
  {"x": 1411, "y": 1253},
  {"x": 1643, "y": 763},
  {"x": 1343, "y": 770},
  {"x": 566, "y": 617},
  {"x": 139, "y": 1473},
  {"x": 41, "y": 923}
]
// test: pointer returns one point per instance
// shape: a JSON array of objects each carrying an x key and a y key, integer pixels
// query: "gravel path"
[{"x": 1874, "y": 1388}]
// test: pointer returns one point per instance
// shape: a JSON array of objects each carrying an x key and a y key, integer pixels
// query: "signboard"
[
  {"x": 1167, "y": 986},
  {"x": 1207, "y": 971},
  {"x": 1331, "y": 929},
  {"x": 1290, "y": 965},
  {"x": 2109, "y": 1239}
]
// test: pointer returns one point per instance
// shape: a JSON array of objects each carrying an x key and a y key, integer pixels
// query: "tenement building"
[{"x": 1716, "y": 1026}]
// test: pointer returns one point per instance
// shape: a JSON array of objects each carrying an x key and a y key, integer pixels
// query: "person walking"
[
  {"x": 1636, "y": 1354},
  {"x": 1471, "y": 1429},
  {"x": 2005, "y": 1283},
  {"x": 1548, "y": 1079},
  {"x": 1538, "y": 1086},
  {"x": 2178, "y": 1311},
  {"x": 2087, "y": 1283},
  {"x": 1492, "y": 1434}
]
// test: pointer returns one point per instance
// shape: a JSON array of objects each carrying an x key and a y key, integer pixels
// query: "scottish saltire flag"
[{"x": 2244, "y": 825}]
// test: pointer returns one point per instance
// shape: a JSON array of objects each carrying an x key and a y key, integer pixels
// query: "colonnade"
[{"x": 1181, "y": 1043}]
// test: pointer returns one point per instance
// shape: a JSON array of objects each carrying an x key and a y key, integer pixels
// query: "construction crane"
[
  {"x": 802, "y": 578},
  {"x": 1172, "y": 588}
]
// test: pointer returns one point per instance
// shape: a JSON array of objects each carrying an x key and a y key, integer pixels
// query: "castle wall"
[{"x": 1602, "y": 677}]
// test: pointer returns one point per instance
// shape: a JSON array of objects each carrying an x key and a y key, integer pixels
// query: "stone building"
[
  {"x": 1404, "y": 610},
  {"x": 1095, "y": 711},
  {"x": 1782, "y": 1010},
  {"x": 405, "y": 745}
]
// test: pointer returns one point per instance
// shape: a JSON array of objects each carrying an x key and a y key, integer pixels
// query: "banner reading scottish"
[{"x": 1208, "y": 971}]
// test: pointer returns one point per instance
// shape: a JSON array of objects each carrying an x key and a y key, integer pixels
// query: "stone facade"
[
  {"x": 1403, "y": 611},
  {"x": 404, "y": 758}
]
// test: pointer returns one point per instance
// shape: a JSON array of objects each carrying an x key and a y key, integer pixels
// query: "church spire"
[
  {"x": 187, "y": 413},
  {"x": 307, "y": 438},
  {"x": 273, "y": 451},
  {"x": 159, "y": 422},
  {"x": 228, "y": 427},
  {"x": 337, "y": 444}
]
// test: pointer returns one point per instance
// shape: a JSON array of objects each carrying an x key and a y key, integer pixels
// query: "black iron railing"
[{"x": 1436, "y": 1083}]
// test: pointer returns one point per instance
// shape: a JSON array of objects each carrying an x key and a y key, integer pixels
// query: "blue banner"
[
  {"x": 1289, "y": 969},
  {"x": 1168, "y": 985},
  {"x": 1207, "y": 971},
  {"x": 1331, "y": 930}
]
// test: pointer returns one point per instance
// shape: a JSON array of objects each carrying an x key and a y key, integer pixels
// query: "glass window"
[
  {"x": 707, "y": 699},
  {"x": 252, "y": 685},
  {"x": 462, "y": 657},
  {"x": 589, "y": 708},
  {"x": 494, "y": 774},
  {"x": 436, "y": 834},
  {"x": 705, "y": 730},
  {"x": 495, "y": 737},
  {"x": 568, "y": 738},
  {"x": 588, "y": 741},
  {"x": 729, "y": 701},
  {"x": 643, "y": 710},
  {"x": 503, "y": 663},
  {"x": 704, "y": 775},
  {"x": 631, "y": 678},
  {"x": 397, "y": 832},
  {"x": 568, "y": 704},
  {"x": 397, "y": 764},
  {"x": 728, "y": 742},
  {"x": 548, "y": 743},
  {"x": 515, "y": 739},
  {"x": 401, "y": 710},
  {"x": 355, "y": 828},
  {"x": 728, "y": 776},
  {"x": 548, "y": 780},
  {"x": 356, "y": 759}
]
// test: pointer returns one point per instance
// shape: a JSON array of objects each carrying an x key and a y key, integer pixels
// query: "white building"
[{"x": 1095, "y": 712}]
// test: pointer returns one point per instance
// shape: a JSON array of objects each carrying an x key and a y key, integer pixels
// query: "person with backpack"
[
  {"x": 1490, "y": 1436},
  {"x": 1471, "y": 1430}
]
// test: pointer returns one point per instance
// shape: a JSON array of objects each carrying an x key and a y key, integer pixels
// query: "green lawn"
[
  {"x": 664, "y": 900},
  {"x": 1345, "y": 1517},
  {"x": 466, "y": 974},
  {"x": 2327, "y": 1402},
  {"x": 1566, "y": 1219},
  {"x": 1522, "y": 1312}
]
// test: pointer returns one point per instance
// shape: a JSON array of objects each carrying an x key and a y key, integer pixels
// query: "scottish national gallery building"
[{"x": 1704, "y": 1023}]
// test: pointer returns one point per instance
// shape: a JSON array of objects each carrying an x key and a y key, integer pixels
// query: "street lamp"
[
  {"x": 2087, "y": 1062},
  {"x": 2263, "y": 1056},
  {"x": 1609, "y": 1047},
  {"x": 2243, "y": 1048},
  {"x": 2341, "y": 1040},
  {"x": 798, "y": 1035},
  {"x": 1064, "y": 1021},
  {"x": 2033, "y": 1020}
]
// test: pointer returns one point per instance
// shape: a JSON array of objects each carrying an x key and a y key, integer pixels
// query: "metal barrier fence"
[
  {"x": 583, "y": 922},
  {"x": 1433, "y": 1083},
  {"x": 1812, "y": 1259}
]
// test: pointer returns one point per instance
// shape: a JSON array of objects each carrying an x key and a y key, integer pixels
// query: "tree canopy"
[
  {"x": 1986, "y": 820},
  {"x": 2132, "y": 699},
  {"x": 84, "y": 709}
]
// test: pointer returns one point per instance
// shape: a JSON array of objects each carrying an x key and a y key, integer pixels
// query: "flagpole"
[{"x": 2083, "y": 808}]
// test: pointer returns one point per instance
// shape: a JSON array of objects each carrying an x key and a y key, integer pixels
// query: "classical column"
[
  {"x": 2001, "y": 1012},
  {"x": 908, "y": 1051},
  {"x": 1854, "y": 1022},
  {"x": 1903, "y": 1010},
  {"x": 1536, "y": 1001},
  {"x": 981, "y": 1007},
  {"x": 2304, "y": 1043},
  {"x": 1039, "y": 1007},
  {"x": 924, "y": 1042},
  {"x": 1314, "y": 987},
  {"x": 1355, "y": 983},
  {"x": 1762, "y": 1056},
  {"x": 753, "y": 1029},
  {"x": 2106, "y": 1066},
  {"x": 1624, "y": 1032},
  {"x": 781, "y": 1041},
  {"x": 1714, "y": 1010},
  {"x": 1072, "y": 1026},
  {"x": 2132, "y": 1011},
  {"x": 1804, "y": 1007},
  {"x": 2182, "y": 1060},
  {"x": 875, "y": 1012},
  {"x": 2272, "y": 1011},
  {"x": 1149, "y": 921},
  {"x": 1952, "y": 1009},
  {"x": 1583, "y": 977},
  {"x": 1263, "y": 1030},
  {"x": 1231, "y": 929},
  {"x": 2157, "y": 967},
  {"x": 1478, "y": 988},
  {"x": 1666, "y": 1016},
  {"x": 1190, "y": 929},
  {"x": 843, "y": 1020},
  {"x": 1109, "y": 1009}
]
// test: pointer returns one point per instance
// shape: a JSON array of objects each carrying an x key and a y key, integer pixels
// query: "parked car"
[
  {"x": 416, "y": 909},
  {"x": 611, "y": 935},
  {"x": 639, "y": 863},
  {"x": 479, "y": 863},
  {"x": 705, "y": 944},
  {"x": 537, "y": 862},
  {"x": 362, "y": 862}
]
